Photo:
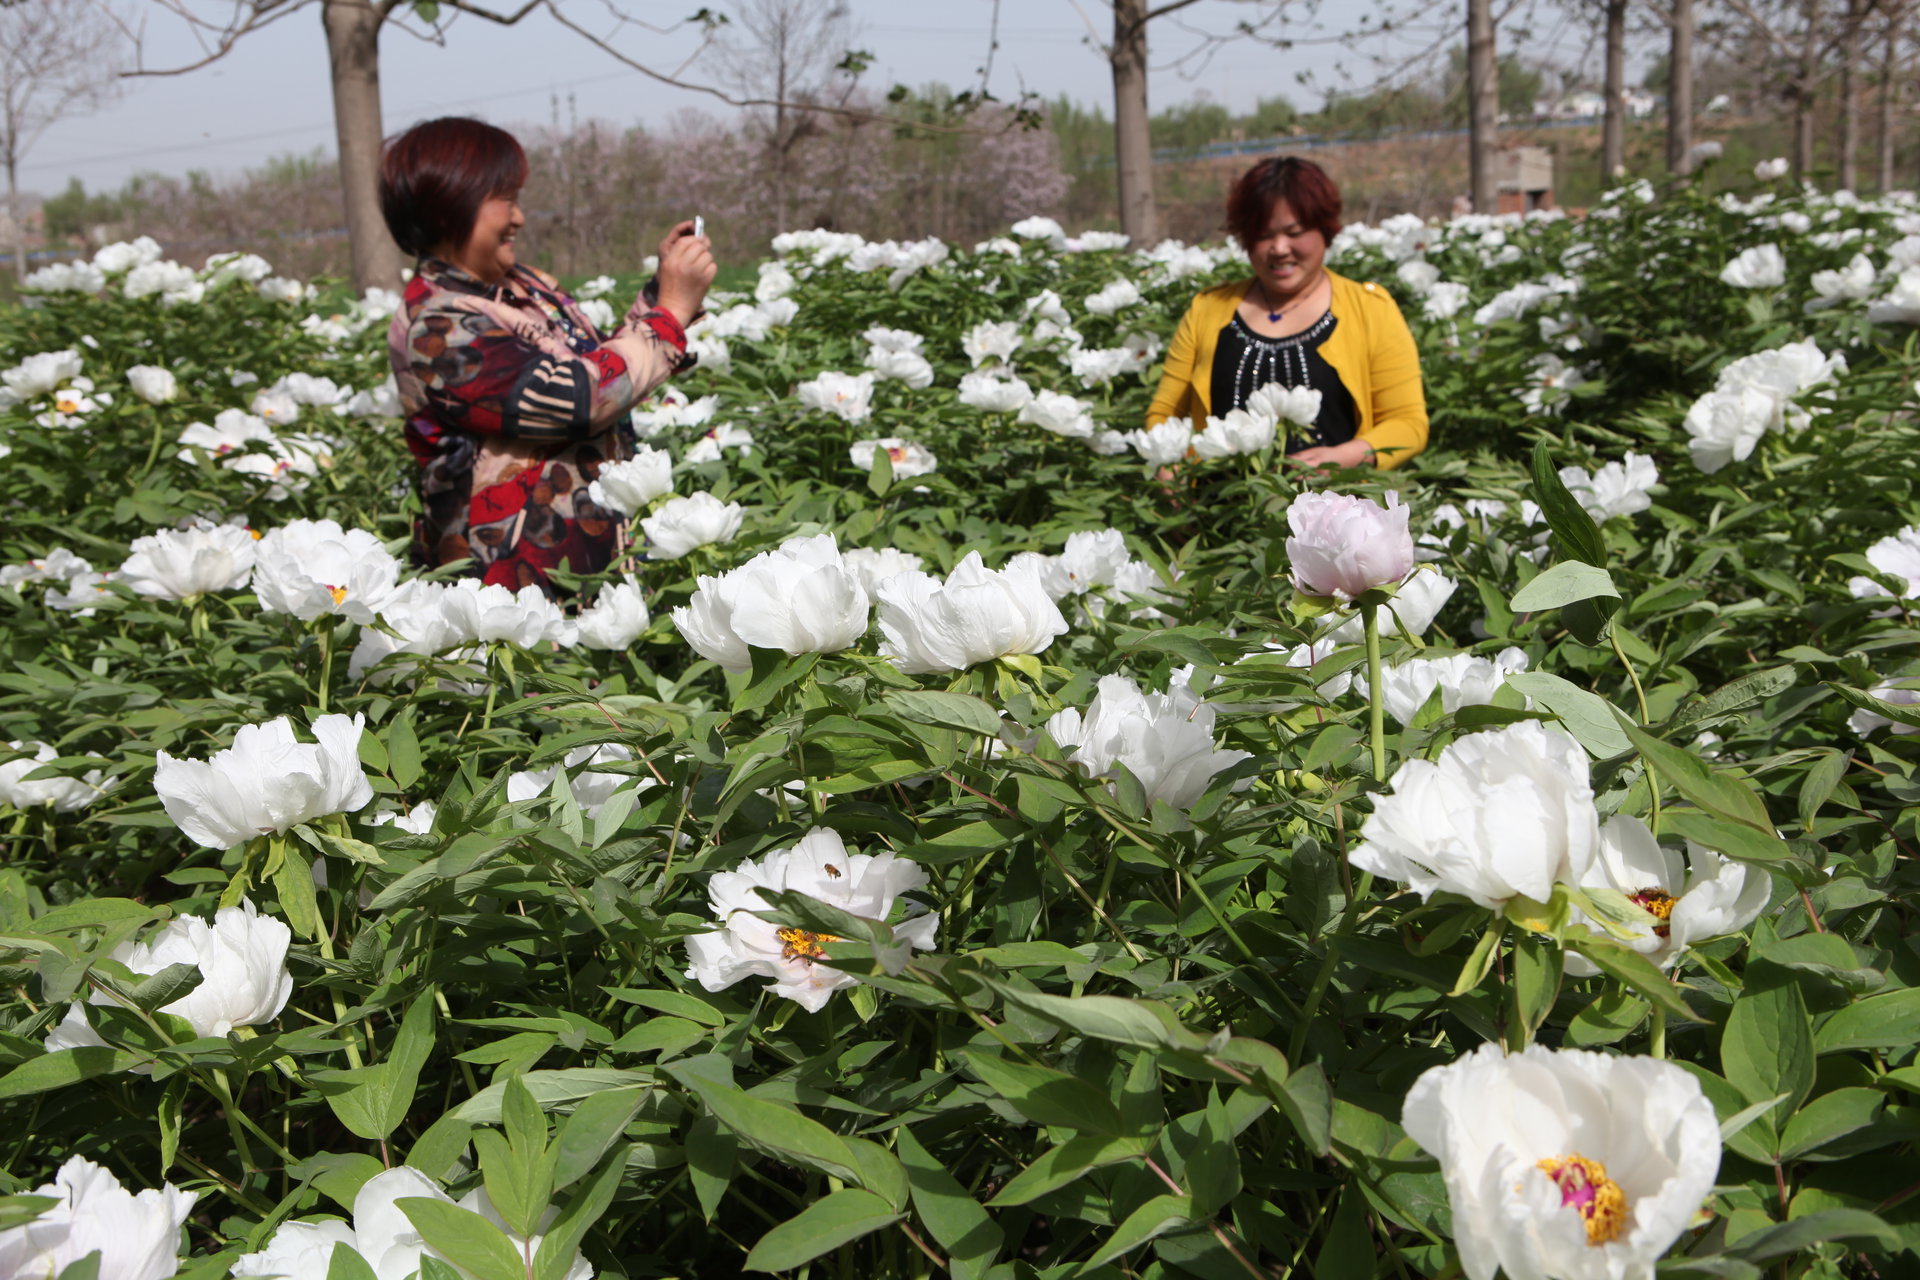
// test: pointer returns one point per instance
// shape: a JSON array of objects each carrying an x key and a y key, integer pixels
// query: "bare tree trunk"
[
  {"x": 1613, "y": 141},
  {"x": 1680, "y": 89},
  {"x": 1800, "y": 89},
  {"x": 353, "y": 48},
  {"x": 1850, "y": 95},
  {"x": 1483, "y": 103},
  {"x": 1132, "y": 140},
  {"x": 18, "y": 223},
  {"x": 1889, "y": 92}
]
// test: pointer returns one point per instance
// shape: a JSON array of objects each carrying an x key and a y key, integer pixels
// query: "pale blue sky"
[{"x": 270, "y": 95}]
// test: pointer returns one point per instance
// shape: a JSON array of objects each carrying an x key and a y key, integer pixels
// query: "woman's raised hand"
[{"x": 686, "y": 272}]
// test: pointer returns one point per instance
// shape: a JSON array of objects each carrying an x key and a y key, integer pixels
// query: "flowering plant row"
[{"x": 970, "y": 834}]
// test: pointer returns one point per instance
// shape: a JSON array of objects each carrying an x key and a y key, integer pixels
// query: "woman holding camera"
[{"x": 512, "y": 398}]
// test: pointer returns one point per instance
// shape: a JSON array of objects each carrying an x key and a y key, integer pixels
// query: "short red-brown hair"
[
  {"x": 436, "y": 175},
  {"x": 1304, "y": 185}
]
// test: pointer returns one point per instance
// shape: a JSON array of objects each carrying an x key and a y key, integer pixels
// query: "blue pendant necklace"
[{"x": 1275, "y": 316}]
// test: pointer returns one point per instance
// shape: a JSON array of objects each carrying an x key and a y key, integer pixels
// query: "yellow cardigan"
[{"x": 1370, "y": 348}]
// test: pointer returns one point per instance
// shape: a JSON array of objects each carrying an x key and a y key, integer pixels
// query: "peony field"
[{"x": 969, "y": 834}]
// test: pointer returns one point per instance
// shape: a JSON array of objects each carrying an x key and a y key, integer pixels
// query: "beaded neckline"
[{"x": 1312, "y": 333}]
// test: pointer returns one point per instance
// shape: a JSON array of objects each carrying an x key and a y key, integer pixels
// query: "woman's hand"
[
  {"x": 1354, "y": 453},
  {"x": 686, "y": 272}
]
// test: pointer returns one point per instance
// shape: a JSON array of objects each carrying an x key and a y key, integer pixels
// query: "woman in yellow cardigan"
[{"x": 1299, "y": 324}]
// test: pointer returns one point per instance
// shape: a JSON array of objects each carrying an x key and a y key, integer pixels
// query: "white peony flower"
[
  {"x": 1165, "y": 443},
  {"x": 1752, "y": 396},
  {"x": 745, "y": 946},
  {"x": 1240, "y": 432},
  {"x": 630, "y": 485},
  {"x": 153, "y": 384},
  {"x": 1298, "y": 405},
  {"x": 1445, "y": 300},
  {"x": 475, "y": 612},
  {"x": 65, "y": 277},
  {"x": 242, "y": 958},
  {"x": 991, "y": 340},
  {"x": 1897, "y": 555},
  {"x": 974, "y": 616},
  {"x": 847, "y": 396},
  {"x": 1164, "y": 739},
  {"x": 908, "y": 460},
  {"x": 136, "y": 1234},
  {"x": 874, "y": 565},
  {"x": 1418, "y": 275},
  {"x": 899, "y": 340},
  {"x": 232, "y": 429},
  {"x": 1344, "y": 545},
  {"x": 65, "y": 794},
  {"x": 185, "y": 564},
  {"x": 418, "y": 822},
  {"x": 172, "y": 281},
  {"x": 416, "y": 611},
  {"x": 39, "y": 374},
  {"x": 1900, "y": 304},
  {"x": 1566, "y": 1163},
  {"x": 1501, "y": 814},
  {"x": 1413, "y": 607},
  {"x": 1098, "y": 366},
  {"x": 1114, "y": 296},
  {"x": 1692, "y": 899},
  {"x": 681, "y": 524},
  {"x": 1059, "y": 413},
  {"x": 267, "y": 781},
  {"x": 1770, "y": 170},
  {"x": 800, "y": 598},
  {"x": 618, "y": 617},
  {"x": 1099, "y": 241},
  {"x": 1616, "y": 489},
  {"x": 713, "y": 446},
  {"x": 1039, "y": 228},
  {"x": 591, "y": 788},
  {"x": 124, "y": 255},
  {"x": 989, "y": 392},
  {"x": 1851, "y": 283},
  {"x": 1462, "y": 679},
  {"x": 1761, "y": 267},
  {"x": 314, "y": 568},
  {"x": 909, "y": 367}
]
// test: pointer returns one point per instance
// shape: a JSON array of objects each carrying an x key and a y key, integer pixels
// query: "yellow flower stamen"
[
  {"x": 1585, "y": 1186},
  {"x": 1659, "y": 904},
  {"x": 798, "y": 944},
  {"x": 338, "y": 593}
]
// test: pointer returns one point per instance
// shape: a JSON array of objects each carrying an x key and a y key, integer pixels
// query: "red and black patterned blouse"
[{"x": 512, "y": 403}]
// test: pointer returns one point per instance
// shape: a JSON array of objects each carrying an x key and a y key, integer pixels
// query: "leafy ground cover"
[{"x": 951, "y": 844}]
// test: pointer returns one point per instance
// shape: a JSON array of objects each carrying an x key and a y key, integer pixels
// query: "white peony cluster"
[
  {"x": 1165, "y": 740},
  {"x": 907, "y": 459},
  {"x": 990, "y": 391},
  {"x": 1901, "y": 303},
  {"x": 1059, "y": 413},
  {"x": 745, "y": 946},
  {"x": 845, "y": 396},
  {"x": 1461, "y": 679},
  {"x": 266, "y": 782},
  {"x": 1164, "y": 443},
  {"x": 1113, "y": 297},
  {"x": 1761, "y": 267},
  {"x": 991, "y": 341},
  {"x": 975, "y": 615},
  {"x": 799, "y": 598},
  {"x": 1754, "y": 395},
  {"x": 1094, "y": 565},
  {"x": 591, "y": 788},
  {"x": 895, "y": 354},
  {"x": 630, "y": 486},
  {"x": 618, "y": 617}
]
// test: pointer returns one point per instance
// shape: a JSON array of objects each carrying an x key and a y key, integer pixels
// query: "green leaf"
[
  {"x": 1766, "y": 1047},
  {"x": 444, "y": 1142},
  {"x": 1147, "y": 1024},
  {"x": 346, "y": 1264},
  {"x": 1536, "y": 979},
  {"x": 1736, "y": 840},
  {"x": 463, "y": 1236},
  {"x": 403, "y": 750},
  {"x": 1063, "y": 1164},
  {"x": 1154, "y": 1218},
  {"x": 825, "y": 1224},
  {"x": 373, "y": 1101},
  {"x": 955, "y": 1219},
  {"x": 551, "y": 1089},
  {"x": 1307, "y": 1099},
  {"x": 949, "y": 710},
  {"x": 1829, "y": 1117},
  {"x": 1889, "y": 1021},
  {"x": 1578, "y": 535},
  {"x": 1213, "y": 1164},
  {"x": 1562, "y": 584},
  {"x": 293, "y": 883},
  {"x": 1635, "y": 970},
  {"x": 163, "y": 988},
  {"x": 1829, "y": 1224},
  {"x": 595, "y": 1125},
  {"x": 64, "y": 1067},
  {"x": 1898, "y": 712},
  {"x": 769, "y": 1127},
  {"x": 1717, "y": 791},
  {"x": 1584, "y": 714},
  {"x": 712, "y": 1160},
  {"x": 561, "y": 1245},
  {"x": 1046, "y": 1096},
  {"x": 880, "y": 474}
]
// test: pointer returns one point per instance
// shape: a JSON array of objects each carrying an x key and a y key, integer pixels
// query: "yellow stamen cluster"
[
  {"x": 1659, "y": 904},
  {"x": 338, "y": 593},
  {"x": 798, "y": 944},
  {"x": 1585, "y": 1186}
]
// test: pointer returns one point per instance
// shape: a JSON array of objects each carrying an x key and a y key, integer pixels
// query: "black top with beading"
[{"x": 1244, "y": 361}]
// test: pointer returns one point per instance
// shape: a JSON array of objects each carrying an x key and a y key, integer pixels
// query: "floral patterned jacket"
[{"x": 512, "y": 404}]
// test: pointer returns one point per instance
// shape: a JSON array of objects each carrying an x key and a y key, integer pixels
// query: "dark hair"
[
  {"x": 436, "y": 175},
  {"x": 1304, "y": 185}
]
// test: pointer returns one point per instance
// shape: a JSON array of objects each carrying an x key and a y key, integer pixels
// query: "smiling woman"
[
  {"x": 1296, "y": 324},
  {"x": 513, "y": 399}
]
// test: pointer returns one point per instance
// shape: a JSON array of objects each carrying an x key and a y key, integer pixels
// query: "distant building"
[{"x": 1523, "y": 179}]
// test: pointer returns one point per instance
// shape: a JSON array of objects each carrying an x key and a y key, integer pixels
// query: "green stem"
[
  {"x": 1349, "y": 919},
  {"x": 1658, "y": 1045},
  {"x": 325, "y": 626},
  {"x": 1653, "y": 779},
  {"x": 1376, "y": 696}
]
